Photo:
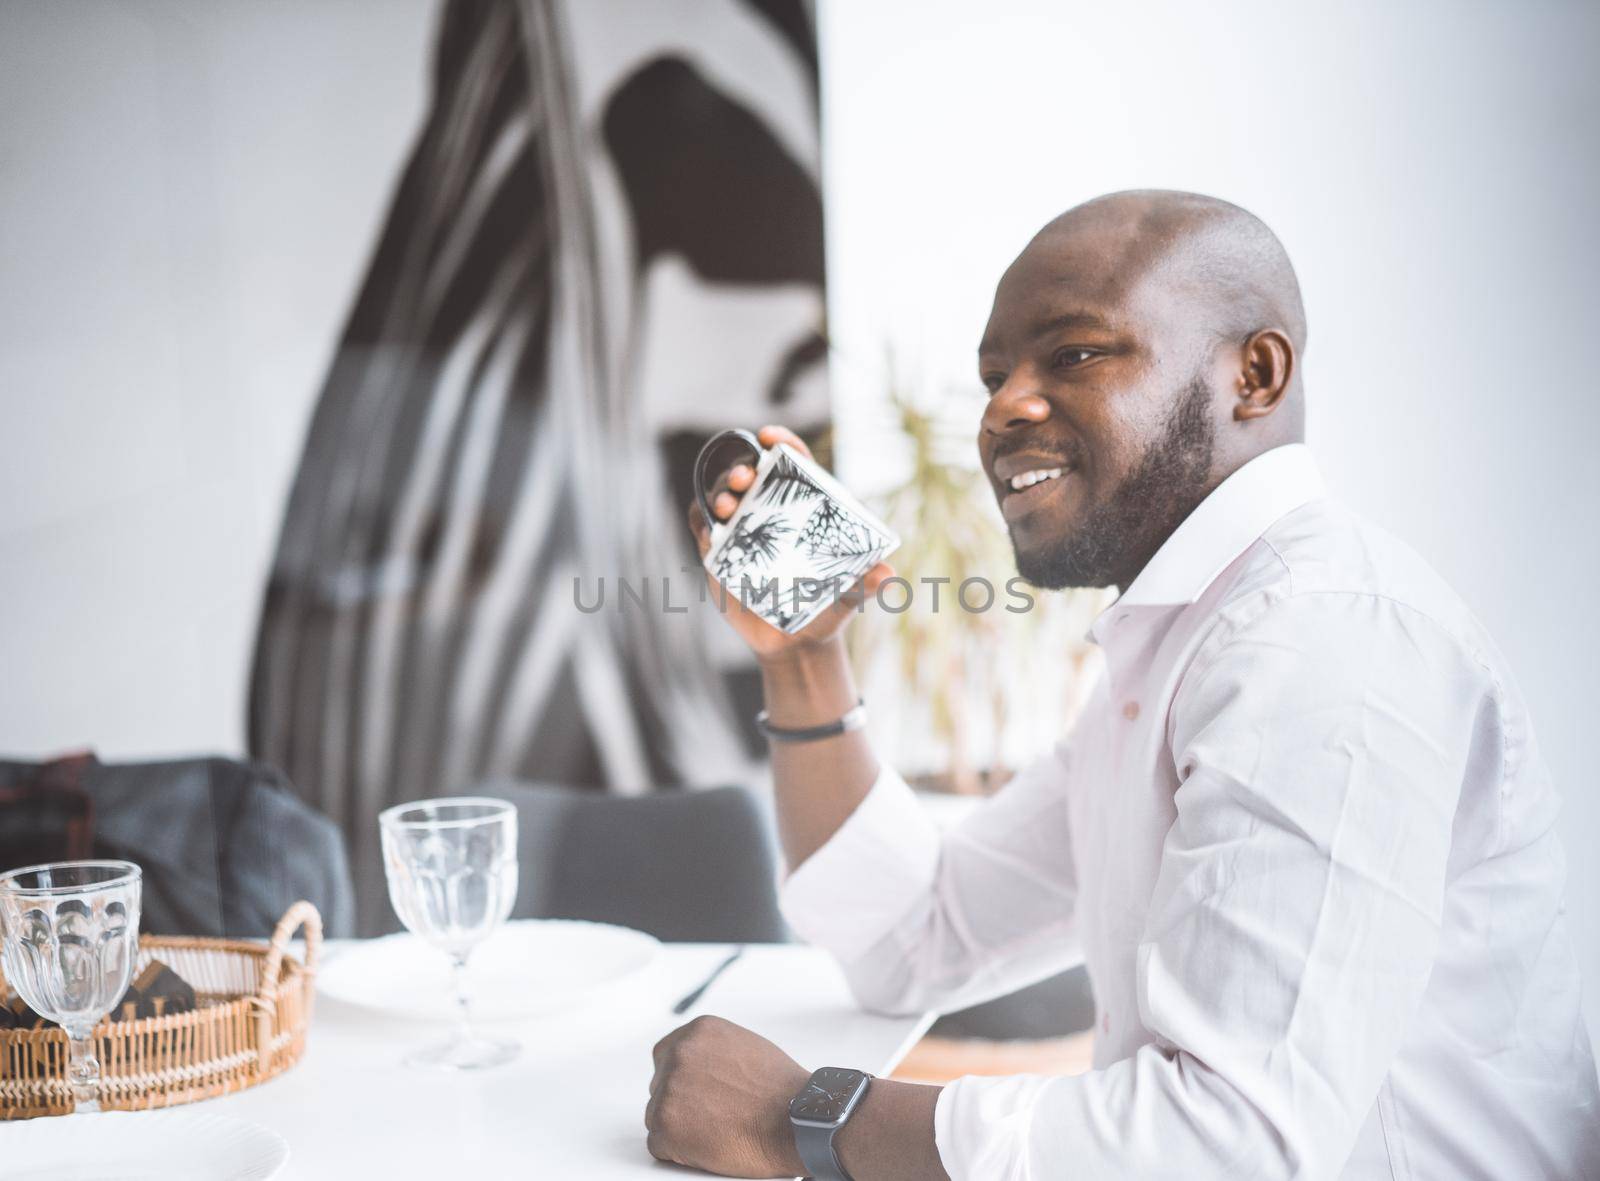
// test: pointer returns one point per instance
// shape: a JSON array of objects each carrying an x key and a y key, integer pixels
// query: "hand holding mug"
[{"x": 787, "y": 550}]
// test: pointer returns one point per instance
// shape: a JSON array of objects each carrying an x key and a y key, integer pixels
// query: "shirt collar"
[{"x": 1225, "y": 524}]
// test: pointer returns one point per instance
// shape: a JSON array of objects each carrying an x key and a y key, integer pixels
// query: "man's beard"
[{"x": 1141, "y": 512}]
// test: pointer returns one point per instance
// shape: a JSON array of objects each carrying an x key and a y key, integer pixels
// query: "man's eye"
[
  {"x": 993, "y": 381},
  {"x": 1071, "y": 358}
]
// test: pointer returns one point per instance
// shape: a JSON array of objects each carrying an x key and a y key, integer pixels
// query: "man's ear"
[{"x": 1268, "y": 366}]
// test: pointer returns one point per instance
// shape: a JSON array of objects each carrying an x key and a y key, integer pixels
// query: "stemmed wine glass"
[
  {"x": 69, "y": 936},
  {"x": 452, "y": 870}
]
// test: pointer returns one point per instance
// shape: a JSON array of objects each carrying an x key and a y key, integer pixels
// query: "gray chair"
[
  {"x": 685, "y": 866},
  {"x": 1054, "y": 1007},
  {"x": 225, "y": 846}
]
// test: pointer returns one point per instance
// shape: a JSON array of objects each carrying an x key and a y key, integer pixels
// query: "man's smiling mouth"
[
  {"x": 1037, "y": 476},
  {"x": 1034, "y": 489}
]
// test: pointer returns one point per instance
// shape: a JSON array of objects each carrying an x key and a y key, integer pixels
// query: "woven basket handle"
[{"x": 302, "y": 913}]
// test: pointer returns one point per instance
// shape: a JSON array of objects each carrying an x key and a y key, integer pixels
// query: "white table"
[{"x": 572, "y": 1105}]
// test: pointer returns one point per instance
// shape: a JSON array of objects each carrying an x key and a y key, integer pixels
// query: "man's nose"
[{"x": 1014, "y": 404}]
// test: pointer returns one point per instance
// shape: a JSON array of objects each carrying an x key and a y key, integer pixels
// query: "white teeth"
[{"x": 1029, "y": 479}]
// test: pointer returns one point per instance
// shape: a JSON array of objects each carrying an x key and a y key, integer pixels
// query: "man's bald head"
[
  {"x": 1150, "y": 341},
  {"x": 1230, "y": 262}
]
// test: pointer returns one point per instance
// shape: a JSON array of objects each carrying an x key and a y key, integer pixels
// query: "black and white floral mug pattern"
[{"x": 796, "y": 539}]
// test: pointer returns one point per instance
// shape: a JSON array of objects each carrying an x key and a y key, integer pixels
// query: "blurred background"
[{"x": 338, "y": 339}]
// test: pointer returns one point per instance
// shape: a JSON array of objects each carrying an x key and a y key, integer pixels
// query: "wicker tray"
[{"x": 254, "y": 1004}]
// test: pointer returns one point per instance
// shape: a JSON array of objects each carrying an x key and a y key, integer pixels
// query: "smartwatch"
[{"x": 819, "y": 1111}]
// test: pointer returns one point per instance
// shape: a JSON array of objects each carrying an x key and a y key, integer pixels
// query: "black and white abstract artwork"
[{"x": 606, "y": 243}]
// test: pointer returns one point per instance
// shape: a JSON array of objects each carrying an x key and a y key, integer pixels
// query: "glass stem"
[
  {"x": 83, "y": 1073},
  {"x": 458, "y": 961}
]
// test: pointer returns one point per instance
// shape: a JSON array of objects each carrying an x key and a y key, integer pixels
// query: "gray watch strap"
[
  {"x": 813, "y": 1140},
  {"x": 815, "y": 1146}
]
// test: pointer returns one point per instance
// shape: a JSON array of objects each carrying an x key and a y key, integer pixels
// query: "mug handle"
[{"x": 704, "y": 458}]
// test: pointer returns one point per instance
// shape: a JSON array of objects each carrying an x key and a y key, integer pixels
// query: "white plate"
[
  {"x": 140, "y": 1146},
  {"x": 526, "y": 968}
]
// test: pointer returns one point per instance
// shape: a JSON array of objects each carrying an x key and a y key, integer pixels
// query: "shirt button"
[{"x": 1131, "y": 710}]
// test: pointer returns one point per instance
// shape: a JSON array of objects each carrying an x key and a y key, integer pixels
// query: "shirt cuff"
[
  {"x": 880, "y": 863},
  {"x": 981, "y": 1126}
]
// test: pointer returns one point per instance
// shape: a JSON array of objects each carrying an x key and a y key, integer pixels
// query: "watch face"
[{"x": 828, "y": 1095}]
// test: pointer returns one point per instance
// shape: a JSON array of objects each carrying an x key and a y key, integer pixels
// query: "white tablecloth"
[{"x": 572, "y": 1105}]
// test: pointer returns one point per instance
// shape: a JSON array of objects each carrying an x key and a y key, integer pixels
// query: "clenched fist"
[{"x": 719, "y": 1101}]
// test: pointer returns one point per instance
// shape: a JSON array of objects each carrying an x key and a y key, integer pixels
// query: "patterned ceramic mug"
[{"x": 797, "y": 540}]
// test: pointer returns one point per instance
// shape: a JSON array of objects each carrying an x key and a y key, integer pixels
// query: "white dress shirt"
[{"x": 1304, "y": 840}]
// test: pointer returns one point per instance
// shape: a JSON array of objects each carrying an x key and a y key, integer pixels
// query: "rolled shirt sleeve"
[
  {"x": 853, "y": 890},
  {"x": 920, "y": 919},
  {"x": 1320, "y": 748}
]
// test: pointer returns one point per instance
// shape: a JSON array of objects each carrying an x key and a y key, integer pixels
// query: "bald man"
[{"x": 1302, "y": 834}]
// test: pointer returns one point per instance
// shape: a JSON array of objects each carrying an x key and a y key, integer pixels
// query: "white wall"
[
  {"x": 188, "y": 194},
  {"x": 1431, "y": 168}
]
